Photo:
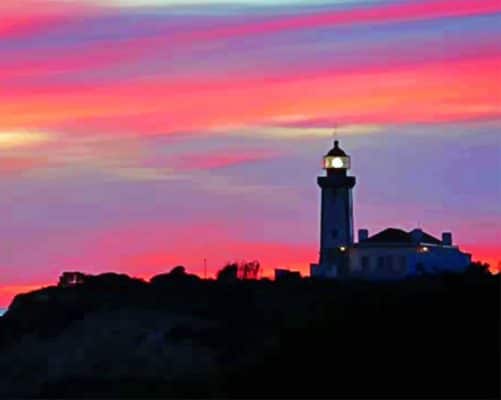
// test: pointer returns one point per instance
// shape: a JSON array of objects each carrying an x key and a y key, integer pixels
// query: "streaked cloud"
[
  {"x": 300, "y": 128},
  {"x": 16, "y": 139},
  {"x": 16, "y": 166}
]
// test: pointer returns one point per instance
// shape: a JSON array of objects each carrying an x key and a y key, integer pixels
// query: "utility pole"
[{"x": 205, "y": 268}]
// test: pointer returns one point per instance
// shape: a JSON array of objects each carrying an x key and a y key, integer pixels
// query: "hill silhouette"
[{"x": 179, "y": 336}]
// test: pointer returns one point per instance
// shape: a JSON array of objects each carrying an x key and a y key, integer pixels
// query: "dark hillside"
[{"x": 179, "y": 336}]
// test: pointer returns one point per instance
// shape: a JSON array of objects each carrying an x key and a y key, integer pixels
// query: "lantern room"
[{"x": 336, "y": 159}]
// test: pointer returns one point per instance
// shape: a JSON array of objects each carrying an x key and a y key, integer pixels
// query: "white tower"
[{"x": 336, "y": 230}]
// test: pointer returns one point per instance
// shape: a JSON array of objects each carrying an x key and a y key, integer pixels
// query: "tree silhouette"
[
  {"x": 243, "y": 270},
  {"x": 478, "y": 269},
  {"x": 249, "y": 270}
]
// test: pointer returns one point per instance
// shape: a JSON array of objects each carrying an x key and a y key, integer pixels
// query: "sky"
[{"x": 136, "y": 135}]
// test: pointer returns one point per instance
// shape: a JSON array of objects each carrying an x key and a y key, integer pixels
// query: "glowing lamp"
[
  {"x": 424, "y": 249},
  {"x": 336, "y": 159},
  {"x": 342, "y": 248},
  {"x": 336, "y": 162}
]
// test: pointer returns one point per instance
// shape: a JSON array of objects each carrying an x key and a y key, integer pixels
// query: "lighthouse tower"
[{"x": 336, "y": 225}]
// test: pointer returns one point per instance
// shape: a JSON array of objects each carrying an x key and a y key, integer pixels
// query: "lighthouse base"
[{"x": 324, "y": 271}]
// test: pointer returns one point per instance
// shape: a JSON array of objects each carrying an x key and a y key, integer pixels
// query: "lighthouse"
[
  {"x": 336, "y": 215},
  {"x": 390, "y": 254}
]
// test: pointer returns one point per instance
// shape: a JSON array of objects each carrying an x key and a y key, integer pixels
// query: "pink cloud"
[
  {"x": 220, "y": 159},
  {"x": 16, "y": 166},
  {"x": 51, "y": 62},
  {"x": 22, "y": 18},
  {"x": 379, "y": 13},
  {"x": 434, "y": 91},
  {"x": 392, "y": 12},
  {"x": 30, "y": 21}
]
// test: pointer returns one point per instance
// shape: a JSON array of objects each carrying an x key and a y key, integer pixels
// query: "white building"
[{"x": 392, "y": 253}]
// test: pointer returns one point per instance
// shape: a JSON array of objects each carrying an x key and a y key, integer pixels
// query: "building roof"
[
  {"x": 336, "y": 151},
  {"x": 390, "y": 235},
  {"x": 395, "y": 235},
  {"x": 427, "y": 238}
]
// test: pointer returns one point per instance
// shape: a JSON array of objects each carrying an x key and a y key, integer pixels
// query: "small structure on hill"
[
  {"x": 69, "y": 279},
  {"x": 286, "y": 274}
]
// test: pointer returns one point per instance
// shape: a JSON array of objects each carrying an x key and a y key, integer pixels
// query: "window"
[
  {"x": 420, "y": 268},
  {"x": 365, "y": 264},
  {"x": 401, "y": 264},
  {"x": 389, "y": 263},
  {"x": 380, "y": 263}
]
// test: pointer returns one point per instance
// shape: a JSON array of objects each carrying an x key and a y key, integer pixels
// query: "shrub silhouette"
[
  {"x": 229, "y": 273},
  {"x": 177, "y": 274}
]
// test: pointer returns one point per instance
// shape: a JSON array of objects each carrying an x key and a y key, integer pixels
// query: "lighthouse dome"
[{"x": 336, "y": 151}]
